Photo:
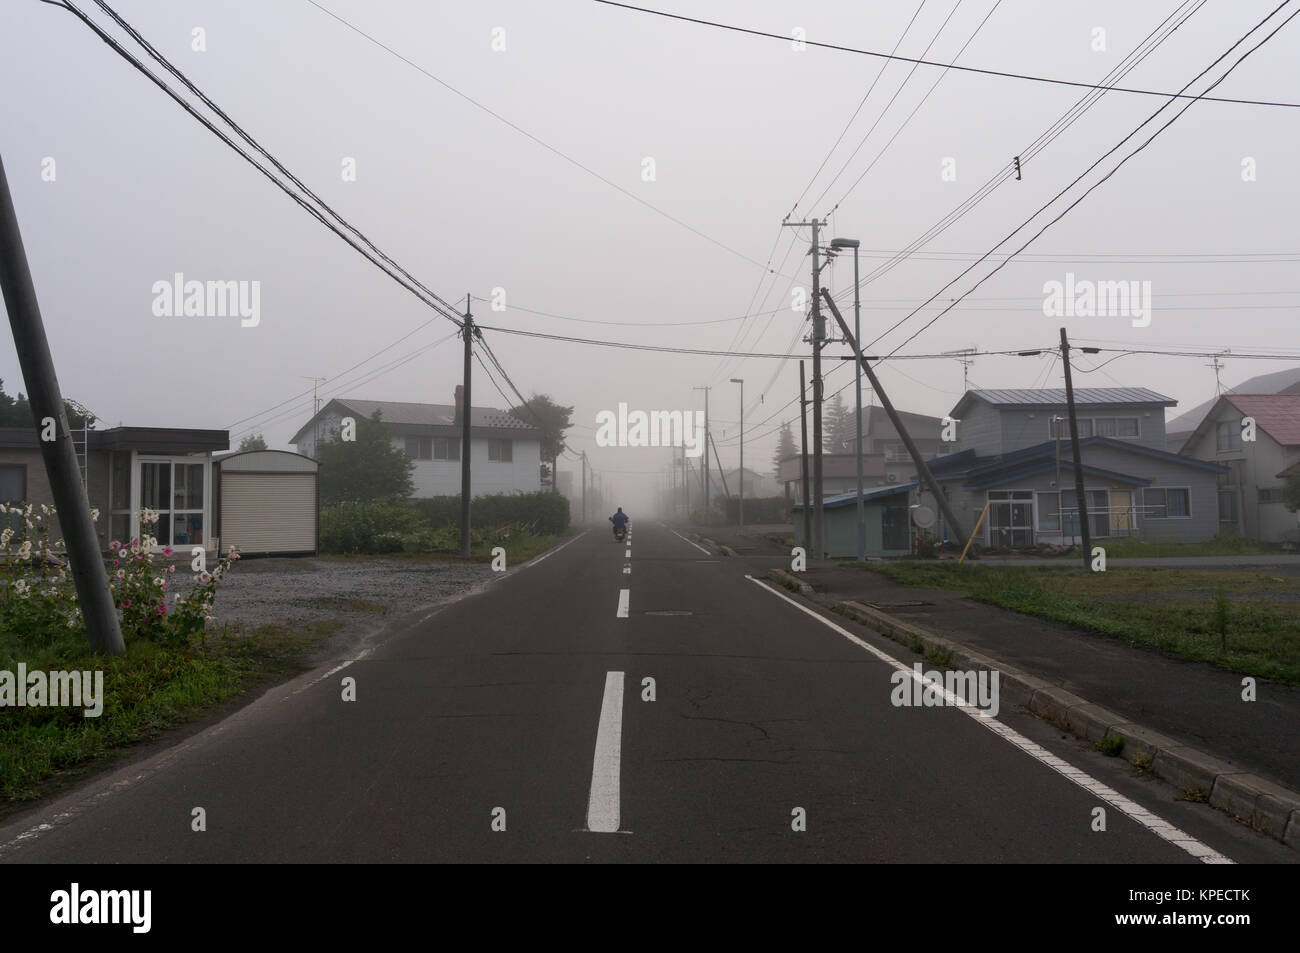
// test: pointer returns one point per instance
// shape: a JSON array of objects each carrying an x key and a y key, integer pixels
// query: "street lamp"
[
  {"x": 741, "y": 478},
  {"x": 857, "y": 368}
]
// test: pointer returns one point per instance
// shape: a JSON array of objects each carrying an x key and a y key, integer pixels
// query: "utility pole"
[
  {"x": 923, "y": 471},
  {"x": 803, "y": 455},
  {"x": 1078, "y": 457},
  {"x": 818, "y": 338},
  {"x": 741, "y": 479},
  {"x": 315, "y": 405},
  {"x": 584, "y": 487},
  {"x": 60, "y": 457},
  {"x": 468, "y": 331},
  {"x": 707, "y": 514}
]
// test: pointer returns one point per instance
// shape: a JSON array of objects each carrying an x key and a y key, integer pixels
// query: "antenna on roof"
[{"x": 1218, "y": 366}]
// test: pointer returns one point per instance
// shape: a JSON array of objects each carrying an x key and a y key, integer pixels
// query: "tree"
[
  {"x": 1291, "y": 492},
  {"x": 552, "y": 421},
  {"x": 17, "y": 412},
  {"x": 370, "y": 467},
  {"x": 838, "y": 428},
  {"x": 785, "y": 449},
  {"x": 252, "y": 442}
]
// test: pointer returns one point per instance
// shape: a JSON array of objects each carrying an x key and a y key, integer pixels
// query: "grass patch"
[
  {"x": 147, "y": 690},
  {"x": 1243, "y": 621},
  {"x": 1111, "y": 745},
  {"x": 938, "y": 657}
]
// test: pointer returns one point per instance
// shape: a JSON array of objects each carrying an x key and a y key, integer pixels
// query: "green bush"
[
  {"x": 373, "y": 526},
  {"x": 541, "y": 513}
]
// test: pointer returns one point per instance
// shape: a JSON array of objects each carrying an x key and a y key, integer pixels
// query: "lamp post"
[
  {"x": 741, "y": 479},
  {"x": 857, "y": 368}
]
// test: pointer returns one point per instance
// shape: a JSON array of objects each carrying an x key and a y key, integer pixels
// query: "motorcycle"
[{"x": 620, "y": 532}]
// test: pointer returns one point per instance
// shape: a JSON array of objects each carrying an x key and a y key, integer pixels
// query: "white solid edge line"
[
  {"x": 1137, "y": 812},
  {"x": 603, "y": 803},
  {"x": 685, "y": 540},
  {"x": 624, "y": 598},
  {"x": 552, "y": 552}
]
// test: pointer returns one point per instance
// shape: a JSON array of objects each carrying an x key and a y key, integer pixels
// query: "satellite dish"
[{"x": 923, "y": 517}]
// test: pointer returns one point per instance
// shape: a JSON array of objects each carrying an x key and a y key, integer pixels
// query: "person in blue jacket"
[{"x": 620, "y": 520}]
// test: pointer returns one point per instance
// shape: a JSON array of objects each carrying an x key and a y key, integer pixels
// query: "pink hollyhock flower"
[
  {"x": 126, "y": 603},
  {"x": 167, "y": 550},
  {"x": 114, "y": 546}
]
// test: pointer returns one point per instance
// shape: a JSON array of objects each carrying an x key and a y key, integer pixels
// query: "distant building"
[
  {"x": 1015, "y": 455},
  {"x": 880, "y": 436},
  {"x": 1250, "y": 490},
  {"x": 1279, "y": 382},
  {"x": 505, "y": 451}
]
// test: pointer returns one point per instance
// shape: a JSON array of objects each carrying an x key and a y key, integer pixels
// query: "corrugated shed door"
[{"x": 268, "y": 512}]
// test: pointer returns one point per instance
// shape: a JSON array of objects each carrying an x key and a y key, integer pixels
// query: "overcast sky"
[{"x": 736, "y": 125}]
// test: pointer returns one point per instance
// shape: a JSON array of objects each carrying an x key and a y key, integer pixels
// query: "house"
[
  {"x": 1014, "y": 454},
  {"x": 1250, "y": 489},
  {"x": 887, "y": 515},
  {"x": 756, "y": 484},
  {"x": 167, "y": 470},
  {"x": 839, "y": 474},
  {"x": 880, "y": 436},
  {"x": 1182, "y": 427},
  {"x": 505, "y": 452}
]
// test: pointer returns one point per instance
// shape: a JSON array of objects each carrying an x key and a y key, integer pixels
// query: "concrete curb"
[
  {"x": 790, "y": 582},
  {"x": 1264, "y": 805}
]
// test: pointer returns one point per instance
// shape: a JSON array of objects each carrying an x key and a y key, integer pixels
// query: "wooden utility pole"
[
  {"x": 817, "y": 547},
  {"x": 467, "y": 331},
  {"x": 803, "y": 454},
  {"x": 922, "y": 470},
  {"x": 60, "y": 457},
  {"x": 1078, "y": 457}
]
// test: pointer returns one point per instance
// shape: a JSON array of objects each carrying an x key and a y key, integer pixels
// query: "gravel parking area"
[{"x": 361, "y": 593}]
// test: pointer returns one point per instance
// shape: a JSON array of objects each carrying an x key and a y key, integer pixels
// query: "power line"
[
  {"x": 545, "y": 145},
  {"x": 923, "y": 62},
  {"x": 1102, "y": 180},
  {"x": 1131, "y": 61},
  {"x": 415, "y": 287}
]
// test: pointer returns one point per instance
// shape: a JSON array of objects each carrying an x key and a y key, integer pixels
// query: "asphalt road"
[{"x": 524, "y": 706}]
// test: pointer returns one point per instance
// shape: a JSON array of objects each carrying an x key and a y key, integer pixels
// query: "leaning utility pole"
[
  {"x": 584, "y": 487},
  {"x": 468, "y": 332},
  {"x": 1078, "y": 457},
  {"x": 922, "y": 470},
  {"x": 70, "y": 494},
  {"x": 803, "y": 457}
]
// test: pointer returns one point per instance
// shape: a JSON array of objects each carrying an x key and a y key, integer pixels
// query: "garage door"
[{"x": 268, "y": 512}]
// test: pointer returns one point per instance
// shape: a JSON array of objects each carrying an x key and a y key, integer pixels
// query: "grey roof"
[
  {"x": 868, "y": 494},
  {"x": 433, "y": 415},
  {"x": 1278, "y": 382},
  {"x": 1082, "y": 395},
  {"x": 407, "y": 414}
]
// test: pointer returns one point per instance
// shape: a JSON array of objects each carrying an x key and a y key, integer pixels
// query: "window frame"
[
  {"x": 1148, "y": 507},
  {"x": 495, "y": 445}
]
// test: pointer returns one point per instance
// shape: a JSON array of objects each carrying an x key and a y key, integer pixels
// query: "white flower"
[
  {"x": 94, "y": 514},
  {"x": 45, "y": 509},
  {"x": 25, "y": 550}
]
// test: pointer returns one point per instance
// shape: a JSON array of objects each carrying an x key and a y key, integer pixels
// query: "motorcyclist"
[{"x": 620, "y": 520}]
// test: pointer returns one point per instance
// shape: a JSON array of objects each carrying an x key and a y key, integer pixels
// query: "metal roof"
[
  {"x": 868, "y": 494},
  {"x": 1083, "y": 396}
]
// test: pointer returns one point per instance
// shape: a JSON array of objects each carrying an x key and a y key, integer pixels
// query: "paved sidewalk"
[{"x": 1193, "y": 702}]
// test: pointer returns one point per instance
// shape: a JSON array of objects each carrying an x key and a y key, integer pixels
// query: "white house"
[{"x": 505, "y": 452}]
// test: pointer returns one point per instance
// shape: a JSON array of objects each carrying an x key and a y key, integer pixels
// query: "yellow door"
[{"x": 1122, "y": 522}]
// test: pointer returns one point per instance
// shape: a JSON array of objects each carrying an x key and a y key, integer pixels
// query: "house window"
[
  {"x": 502, "y": 450},
  {"x": 1060, "y": 427},
  {"x": 419, "y": 448},
  {"x": 1116, "y": 426},
  {"x": 1228, "y": 506},
  {"x": 1167, "y": 502},
  {"x": 1270, "y": 494},
  {"x": 174, "y": 489},
  {"x": 1228, "y": 435},
  {"x": 446, "y": 448},
  {"x": 1049, "y": 512},
  {"x": 1011, "y": 517}
]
